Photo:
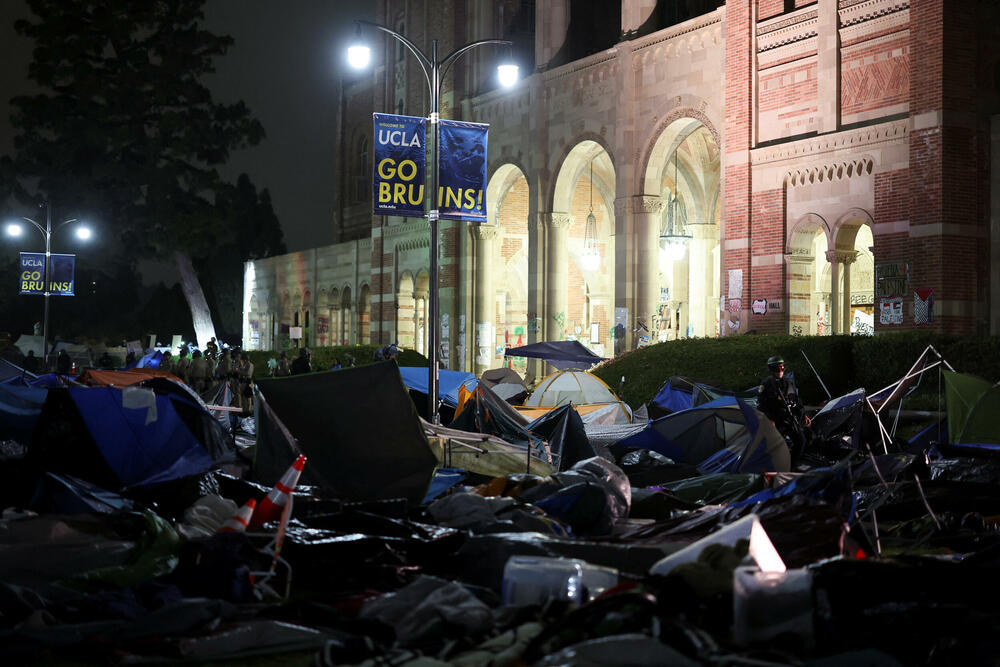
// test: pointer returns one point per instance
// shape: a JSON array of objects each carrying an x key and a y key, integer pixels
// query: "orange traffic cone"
[
  {"x": 237, "y": 523},
  {"x": 270, "y": 508}
]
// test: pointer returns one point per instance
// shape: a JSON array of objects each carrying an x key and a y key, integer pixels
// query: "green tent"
[{"x": 973, "y": 409}]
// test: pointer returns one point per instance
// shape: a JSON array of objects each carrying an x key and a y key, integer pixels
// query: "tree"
[
  {"x": 125, "y": 130},
  {"x": 251, "y": 218}
]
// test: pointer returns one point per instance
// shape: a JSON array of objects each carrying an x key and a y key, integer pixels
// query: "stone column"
[
  {"x": 556, "y": 274},
  {"x": 702, "y": 303},
  {"x": 485, "y": 298},
  {"x": 835, "y": 305},
  {"x": 646, "y": 211},
  {"x": 846, "y": 257}
]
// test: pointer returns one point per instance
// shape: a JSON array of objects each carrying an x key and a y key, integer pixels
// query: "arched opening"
[
  {"x": 502, "y": 264},
  {"x": 405, "y": 312},
  {"x": 808, "y": 278},
  {"x": 857, "y": 272},
  {"x": 332, "y": 323},
  {"x": 420, "y": 306},
  {"x": 580, "y": 237},
  {"x": 346, "y": 322},
  {"x": 364, "y": 314},
  {"x": 684, "y": 171}
]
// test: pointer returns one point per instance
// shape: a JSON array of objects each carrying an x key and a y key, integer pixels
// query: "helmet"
[{"x": 775, "y": 361}]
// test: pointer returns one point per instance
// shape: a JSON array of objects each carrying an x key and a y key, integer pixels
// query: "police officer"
[
  {"x": 183, "y": 363},
  {"x": 778, "y": 398},
  {"x": 198, "y": 372}
]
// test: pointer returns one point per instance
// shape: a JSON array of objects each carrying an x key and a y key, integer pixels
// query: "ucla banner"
[
  {"x": 32, "y": 273},
  {"x": 462, "y": 188},
  {"x": 399, "y": 165}
]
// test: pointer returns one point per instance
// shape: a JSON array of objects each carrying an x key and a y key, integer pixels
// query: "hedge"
[
  {"x": 845, "y": 363},
  {"x": 322, "y": 357}
]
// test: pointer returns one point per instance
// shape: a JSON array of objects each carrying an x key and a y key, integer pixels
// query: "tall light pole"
[
  {"x": 16, "y": 230},
  {"x": 359, "y": 55}
]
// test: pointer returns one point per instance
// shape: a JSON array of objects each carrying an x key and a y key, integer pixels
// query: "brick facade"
[{"x": 829, "y": 151}]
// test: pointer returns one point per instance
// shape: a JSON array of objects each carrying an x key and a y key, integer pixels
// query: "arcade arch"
[
  {"x": 683, "y": 171},
  {"x": 580, "y": 249},
  {"x": 502, "y": 250}
]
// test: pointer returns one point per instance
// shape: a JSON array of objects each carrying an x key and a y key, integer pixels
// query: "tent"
[
  {"x": 20, "y": 407},
  {"x": 563, "y": 354},
  {"x": 415, "y": 378},
  {"x": 99, "y": 378},
  {"x": 973, "y": 406},
  {"x": 593, "y": 399},
  {"x": 726, "y": 435},
  {"x": 133, "y": 436},
  {"x": 358, "y": 427},
  {"x": 565, "y": 387},
  {"x": 495, "y": 376},
  {"x": 681, "y": 393}
]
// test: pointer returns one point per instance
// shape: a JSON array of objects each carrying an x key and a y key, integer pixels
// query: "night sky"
[{"x": 285, "y": 64}]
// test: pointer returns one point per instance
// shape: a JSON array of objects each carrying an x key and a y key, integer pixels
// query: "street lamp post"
[
  {"x": 433, "y": 69},
  {"x": 15, "y": 229}
]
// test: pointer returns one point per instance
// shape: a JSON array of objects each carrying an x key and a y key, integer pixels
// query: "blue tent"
[
  {"x": 563, "y": 354},
  {"x": 680, "y": 393},
  {"x": 449, "y": 382},
  {"x": 725, "y": 435},
  {"x": 132, "y": 436}
]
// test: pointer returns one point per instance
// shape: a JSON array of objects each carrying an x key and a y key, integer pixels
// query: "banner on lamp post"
[
  {"x": 399, "y": 166},
  {"x": 61, "y": 273},
  {"x": 462, "y": 186}
]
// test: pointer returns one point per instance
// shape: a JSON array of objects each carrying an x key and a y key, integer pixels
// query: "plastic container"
[
  {"x": 534, "y": 580},
  {"x": 768, "y": 604}
]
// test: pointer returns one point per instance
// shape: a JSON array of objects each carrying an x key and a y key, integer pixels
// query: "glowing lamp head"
[
  {"x": 507, "y": 74},
  {"x": 14, "y": 229},
  {"x": 84, "y": 233},
  {"x": 359, "y": 55}
]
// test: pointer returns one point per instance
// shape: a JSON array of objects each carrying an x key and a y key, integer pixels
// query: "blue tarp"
[
  {"x": 725, "y": 435},
  {"x": 563, "y": 354},
  {"x": 444, "y": 479},
  {"x": 449, "y": 382}
]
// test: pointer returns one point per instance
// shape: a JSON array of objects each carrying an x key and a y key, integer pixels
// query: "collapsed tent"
[
  {"x": 681, "y": 393},
  {"x": 563, "y": 354},
  {"x": 726, "y": 435},
  {"x": 358, "y": 427},
  {"x": 126, "y": 437},
  {"x": 973, "y": 407},
  {"x": 485, "y": 412}
]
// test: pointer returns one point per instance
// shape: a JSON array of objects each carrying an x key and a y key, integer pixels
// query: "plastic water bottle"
[{"x": 534, "y": 580}]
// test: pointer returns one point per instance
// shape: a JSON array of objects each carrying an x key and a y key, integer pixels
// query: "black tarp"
[{"x": 357, "y": 426}]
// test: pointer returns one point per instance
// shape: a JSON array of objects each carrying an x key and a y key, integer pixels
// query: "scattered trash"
[{"x": 142, "y": 525}]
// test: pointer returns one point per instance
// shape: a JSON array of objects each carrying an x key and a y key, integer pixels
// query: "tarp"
[
  {"x": 99, "y": 378},
  {"x": 563, "y": 354},
  {"x": 726, "y": 435},
  {"x": 485, "y": 412},
  {"x": 126, "y": 437},
  {"x": 358, "y": 427},
  {"x": 563, "y": 429},
  {"x": 449, "y": 382}
]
